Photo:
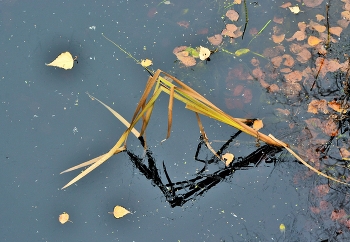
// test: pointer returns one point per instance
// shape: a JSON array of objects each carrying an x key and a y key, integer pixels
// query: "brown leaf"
[
  {"x": 278, "y": 20},
  {"x": 273, "y": 88},
  {"x": 276, "y": 61},
  {"x": 286, "y": 5},
  {"x": 232, "y": 15},
  {"x": 278, "y": 38},
  {"x": 346, "y": 15},
  {"x": 316, "y": 26},
  {"x": 335, "y": 30},
  {"x": 312, "y": 3},
  {"x": 294, "y": 76},
  {"x": 336, "y": 106},
  {"x": 216, "y": 39},
  {"x": 329, "y": 127},
  {"x": 289, "y": 61},
  {"x": 319, "y": 17},
  {"x": 318, "y": 105},
  {"x": 304, "y": 56},
  {"x": 344, "y": 153},
  {"x": 299, "y": 35}
]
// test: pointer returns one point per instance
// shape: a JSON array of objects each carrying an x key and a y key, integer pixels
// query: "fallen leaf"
[
  {"x": 216, "y": 39},
  {"x": 204, "y": 53},
  {"x": 64, "y": 218},
  {"x": 336, "y": 106},
  {"x": 316, "y": 26},
  {"x": 318, "y": 105},
  {"x": 335, "y": 30},
  {"x": 258, "y": 124},
  {"x": 299, "y": 35},
  {"x": 319, "y": 17},
  {"x": 278, "y": 20},
  {"x": 64, "y": 60},
  {"x": 294, "y": 9},
  {"x": 346, "y": 15},
  {"x": 247, "y": 95},
  {"x": 184, "y": 24},
  {"x": 146, "y": 63},
  {"x": 294, "y": 76},
  {"x": 282, "y": 228},
  {"x": 120, "y": 211},
  {"x": 241, "y": 52},
  {"x": 312, "y": 3},
  {"x": 232, "y": 15},
  {"x": 278, "y": 38},
  {"x": 329, "y": 127},
  {"x": 289, "y": 61},
  {"x": 286, "y": 5},
  {"x": 344, "y": 153},
  {"x": 276, "y": 61},
  {"x": 228, "y": 157},
  {"x": 313, "y": 41}
]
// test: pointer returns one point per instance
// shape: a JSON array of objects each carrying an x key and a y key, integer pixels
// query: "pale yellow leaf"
[
  {"x": 64, "y": 60},
  {"x": 228, "y": 157},
  {"x": 294, "y": 9},
  {"x": 120, "y": 211},
  {"x": 64, "y": 218},
  {"x": 146, "y": 63}
]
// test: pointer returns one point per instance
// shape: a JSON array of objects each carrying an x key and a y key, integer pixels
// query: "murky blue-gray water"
[{"x": 49, "y": 124}]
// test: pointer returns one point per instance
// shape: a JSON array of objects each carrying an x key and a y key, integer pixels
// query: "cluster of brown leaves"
[{"x": 231, "y": 30}]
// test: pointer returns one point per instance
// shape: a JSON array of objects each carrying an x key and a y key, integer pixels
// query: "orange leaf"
[
  {"x": 336, "y": 106},
  {"x": 312, "y": 41},
  {"x": 278, "y": 38},
  {"x": 258, "y": 124}
]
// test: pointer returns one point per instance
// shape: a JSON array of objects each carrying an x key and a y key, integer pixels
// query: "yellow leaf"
[
  {"x": 228, "y": 158},
  {"x": 258, "y": 124},
  {"x": 146, "y": 63},
  {"x": 64, "y": 60},
  {"x": 313, "y": 41},
  {"x": 294, "y": 9},
  {"x": 282, "y": 228},
  {"x": 241, "y": 52},
  {"x": 120, "y": 212},
  {"x": 64, "y": 218}
]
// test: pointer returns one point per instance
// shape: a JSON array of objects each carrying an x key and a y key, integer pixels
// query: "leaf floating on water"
[
  {"x": 146, "y": 63},
  {"x": 232, "y": 15},
  {"x": 204, "y": 53},
  {"x": 312, "y": 3},
  {"x": 258, "y": 124},
  {"x": 64, "y": 60},
  {"x": 282, "y": 228},
  {"x": 294, "y": 9},
  {"x": 241, "y": 52},
  {"x": 313, "y": 41},
  {"x": 228, "y": 157},
  {"x": 64, "y": 218},
  {"x": 120, "y": 211}
]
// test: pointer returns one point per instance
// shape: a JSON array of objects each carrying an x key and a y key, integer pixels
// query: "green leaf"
[{"x": 241, "y": 52}]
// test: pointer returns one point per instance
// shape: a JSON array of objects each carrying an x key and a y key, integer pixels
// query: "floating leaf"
[
  {"x": 258, "y": 124},
  {"x": 216, "y": 39},
  {"x": 120, "y": 212},
  {"x": 232, "y": 15},
  {"x": 204, "y": 53},
  {"x": 241, "y": 52},
  {"x": 278, "y": 38},
  {"x": 146, "y": 63},
  {"x": 294, "y": 9},
  {"x": 318, "y": 105},
  {"x": 336, "y": 106},
  {"x": 64, "y": 60},
  {"x": 286, "y": 5},
  {"x": 64, "y": 218},
  {"x": 282, "y": 228},
  {"x": 312, "y": 3},
  {"x": 228, "y": 157},
  {"x": 313, "y": 41}
]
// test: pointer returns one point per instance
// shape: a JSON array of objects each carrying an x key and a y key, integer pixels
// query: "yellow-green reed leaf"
[
  {"x": 117, "y": 115},
  {"x": 241, "y": 52}
]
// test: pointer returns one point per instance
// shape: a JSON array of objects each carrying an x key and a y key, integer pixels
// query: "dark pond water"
[{"x": 49, "y": 124}]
